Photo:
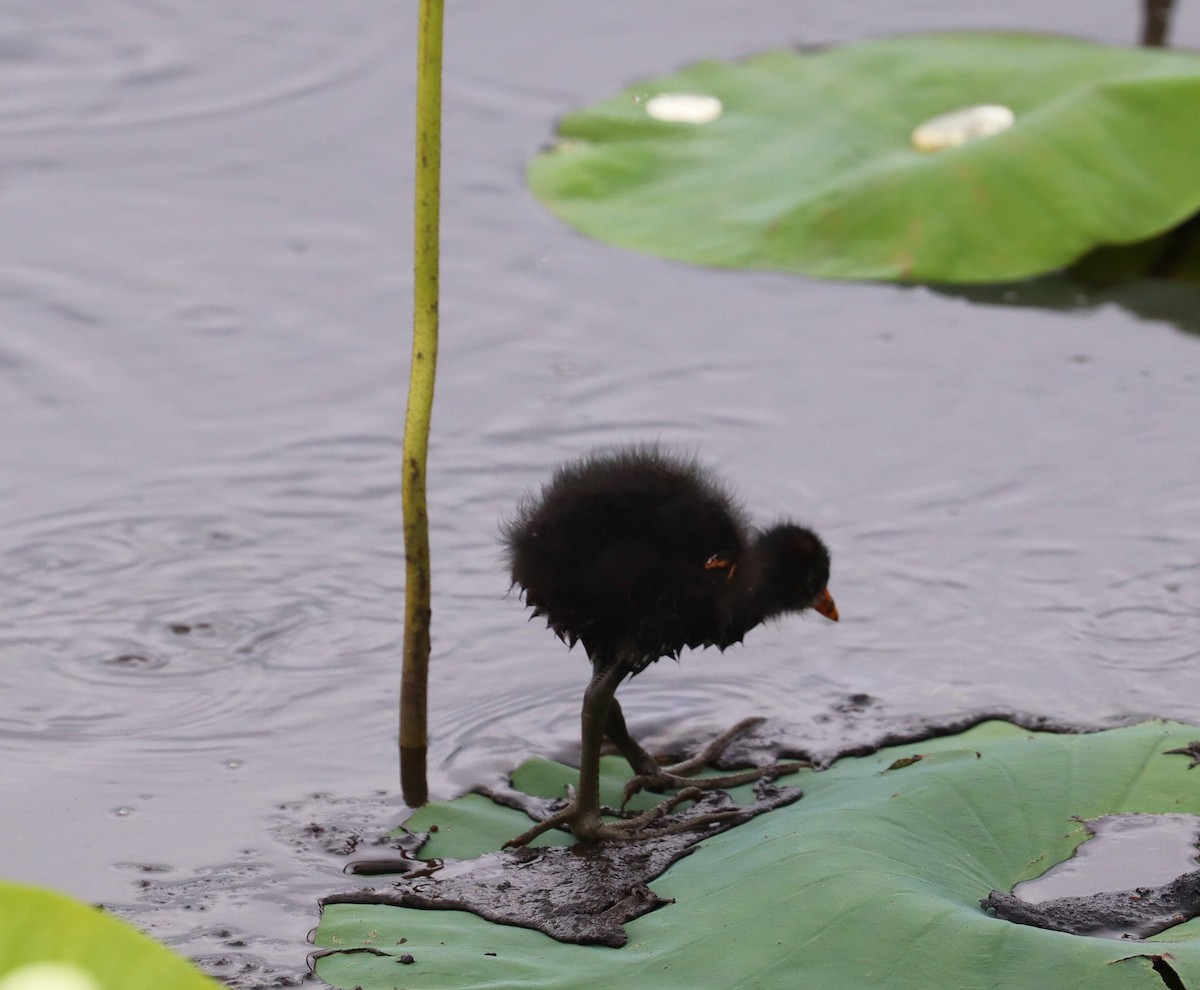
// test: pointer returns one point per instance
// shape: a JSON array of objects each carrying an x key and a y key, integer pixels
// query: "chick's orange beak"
[{"x": 824, "y": 605}]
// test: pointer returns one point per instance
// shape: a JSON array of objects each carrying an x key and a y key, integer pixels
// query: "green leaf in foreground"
[
  {"x": 40, "y": 926},
  {"x": 872, "y": 879},
  {"x": 810, "y": 166}
]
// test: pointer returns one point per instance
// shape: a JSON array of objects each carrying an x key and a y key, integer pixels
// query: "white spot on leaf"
[
  {"x": 949, "y": 130},
  {"x": 684, "y": 108}
]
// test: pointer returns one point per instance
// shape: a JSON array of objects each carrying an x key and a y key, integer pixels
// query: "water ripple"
[
  {"x": 174, "y": 628},
  {"x": 76, "y": 63}
]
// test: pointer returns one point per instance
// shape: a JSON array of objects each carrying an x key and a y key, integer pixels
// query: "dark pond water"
[{"x": 204, "y": 285}]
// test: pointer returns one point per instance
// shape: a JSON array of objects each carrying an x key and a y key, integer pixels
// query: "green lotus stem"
[{"x": 415, "y": 675}]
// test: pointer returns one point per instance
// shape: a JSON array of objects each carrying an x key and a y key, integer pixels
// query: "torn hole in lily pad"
[{"x": 1134, "y": 877}]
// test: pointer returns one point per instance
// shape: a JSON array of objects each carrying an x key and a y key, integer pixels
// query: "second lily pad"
[{"x": 810, "y": 165}]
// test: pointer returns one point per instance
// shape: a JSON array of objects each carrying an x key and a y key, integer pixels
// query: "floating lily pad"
[
  {"x": 873, "y": 879},
  {"x": 47, "y": 937},
  {"x": 810, "y": 166}
]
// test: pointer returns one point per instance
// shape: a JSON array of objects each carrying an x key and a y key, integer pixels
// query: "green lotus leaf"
[
  {"x": 810, "y": 166},
  {"x": 47, "y": 937},
  {"x": 872, "y": 879}
]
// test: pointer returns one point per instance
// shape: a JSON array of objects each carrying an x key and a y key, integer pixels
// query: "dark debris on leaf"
[
  {"x": 848, "y": 731},
  {"x": 582, "y": 893},
  {"x": 1137, "y": 913},
  {"x": 906, "y": 761}
]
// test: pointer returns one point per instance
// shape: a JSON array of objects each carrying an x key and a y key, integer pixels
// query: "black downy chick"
[{"x": 637, "y": 554}]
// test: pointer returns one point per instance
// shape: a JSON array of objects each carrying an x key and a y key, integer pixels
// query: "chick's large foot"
[
  {"x": 1191, "y": 750},
  {"x": 590, "y": 827},
  {"x": 679, "y": 775}
]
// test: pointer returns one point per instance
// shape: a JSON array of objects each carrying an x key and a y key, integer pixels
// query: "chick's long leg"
[{"x": 582, "y": 813}]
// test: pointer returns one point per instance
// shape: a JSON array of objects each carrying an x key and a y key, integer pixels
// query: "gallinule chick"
[{"x": 638, "y": 553}]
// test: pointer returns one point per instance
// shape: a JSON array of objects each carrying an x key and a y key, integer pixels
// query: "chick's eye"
[{"x": 719, "y": 563}]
